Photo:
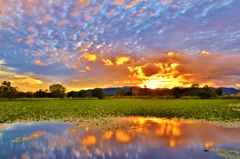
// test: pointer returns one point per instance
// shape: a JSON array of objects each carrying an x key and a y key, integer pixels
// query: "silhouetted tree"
[
  {"x": 72, "y": 94},
  {"x": 128, "y": 93},
  {"x": 57, "y": 91},
  {"x": 120, "y": 92},
  {"x": 178, "y": 92},
  {"x": 219, "y": 91},
  {"x": 41, "y": 94},
  {"x": 206, "y": 92},
  {"x": 97, "y": 92},
  {"x": 7, "y": 91},
  {"x": 82, "y": 93},
  {"x": 145, "y": 89},
  {"x": 195, "y": 85}
]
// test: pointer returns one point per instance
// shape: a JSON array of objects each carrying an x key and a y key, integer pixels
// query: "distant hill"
[
  {"x": 114, "y": 90},
  {"x": 162, "y": 91},
  {"x": 229, "y": 90},
  {"x": 111, "y": 90}
]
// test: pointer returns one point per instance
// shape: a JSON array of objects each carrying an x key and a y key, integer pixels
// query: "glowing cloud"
[
  {"x": 88, "y": 68},
  {"x": 117, "y": 1},
  {"x": 75, "y": 67},
  {"x": 107, "y": 62},
  {"x": 157, "y": 75},
  {"x": 2, "y": 62},
  {"x": 120, "y": 60},
  {"x": 205, "y": 52},
  {"x": 40, "y": 63},
  {"x": 90, "y": 57},
  {"x": 82, "y": 71}
]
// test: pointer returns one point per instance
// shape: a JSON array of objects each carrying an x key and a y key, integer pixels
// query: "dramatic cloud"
[
  {"x": 156, "y": 43},
  {"x": 169, "y": 70}
]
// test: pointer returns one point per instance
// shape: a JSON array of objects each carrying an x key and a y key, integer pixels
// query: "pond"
[{"x": 123, "y": 138}]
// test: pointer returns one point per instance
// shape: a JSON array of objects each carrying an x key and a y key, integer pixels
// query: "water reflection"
[{"x": 148, "y": 138}]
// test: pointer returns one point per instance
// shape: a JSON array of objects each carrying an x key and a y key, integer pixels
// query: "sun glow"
[
  {"x": 160, "y": 83},
  {"x": 158, "y": 75}
]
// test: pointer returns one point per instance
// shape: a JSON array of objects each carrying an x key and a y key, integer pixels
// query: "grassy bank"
[{"x": 72, "y": 110}]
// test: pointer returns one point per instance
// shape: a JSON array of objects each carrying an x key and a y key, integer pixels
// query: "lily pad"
[{"x": 230, "y": 154}]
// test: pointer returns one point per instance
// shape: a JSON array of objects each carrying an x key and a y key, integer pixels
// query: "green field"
[{"x": 75, "y": 110}]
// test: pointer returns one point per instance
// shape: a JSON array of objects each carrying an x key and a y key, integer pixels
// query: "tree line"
[
  {"x": 59, "y": 91},
  {"x": 204, "y": 93},
  {"x": 54, "y": 91}
]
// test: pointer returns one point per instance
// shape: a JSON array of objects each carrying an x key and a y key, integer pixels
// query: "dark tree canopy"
[
  {"x": 120, "y": 92},
  {"x": 97, "y": 92},
  {"x": 219, "y": 91},
  {"x": 57, "y": 91},
  {"x": 7, "y": 91},
  {"x": 41, "y": 94},
  {"x": 205, "y": 92}
]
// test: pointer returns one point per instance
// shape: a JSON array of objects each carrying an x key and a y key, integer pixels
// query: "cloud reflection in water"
[{"x": 151, "y": 138}]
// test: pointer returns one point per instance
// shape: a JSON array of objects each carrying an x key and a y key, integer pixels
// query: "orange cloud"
[
  {"x": 117, "y": 2},
  {"x": 29, "y": 5},
  {"x": 107, "y": 62},
  {"x": 75, "y": 67},
  {"x": 120, "y": 60},
  {"x": 88, "y": 68},
  {"x": 62, "y": 22},
  {"x": 205, "y": 52},
  {"x": 82, "y": 71},
  {"x": 40, "y": 63},
  {"x": 90, "y": 57}
]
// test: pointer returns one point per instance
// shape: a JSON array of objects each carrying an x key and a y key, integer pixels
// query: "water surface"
[{"x": 135, "y": 138}]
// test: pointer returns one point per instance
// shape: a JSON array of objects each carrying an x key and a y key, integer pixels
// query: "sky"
[{"x": 84, "y": 44}]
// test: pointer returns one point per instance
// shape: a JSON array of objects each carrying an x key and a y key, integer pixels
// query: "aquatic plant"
[
  {"x": 229, "y": 154},
  {"x": 77, "y": 110}
]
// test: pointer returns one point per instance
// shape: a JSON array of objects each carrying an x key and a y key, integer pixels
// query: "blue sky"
[{"x": 107, "y": 43}]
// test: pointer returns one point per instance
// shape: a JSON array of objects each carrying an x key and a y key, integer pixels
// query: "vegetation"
[
  {"x": 230, "y": 154},
  {"x": 7, "y": 91},
  {"x": 57, "y": 90},
  {"x": 97, "y": 92},
  {"x": 75, "y": 110},
  {"x": 204, "y": 93}
]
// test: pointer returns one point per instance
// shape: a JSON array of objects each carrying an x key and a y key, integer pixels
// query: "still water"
[{"x": 151, "y": 138}]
